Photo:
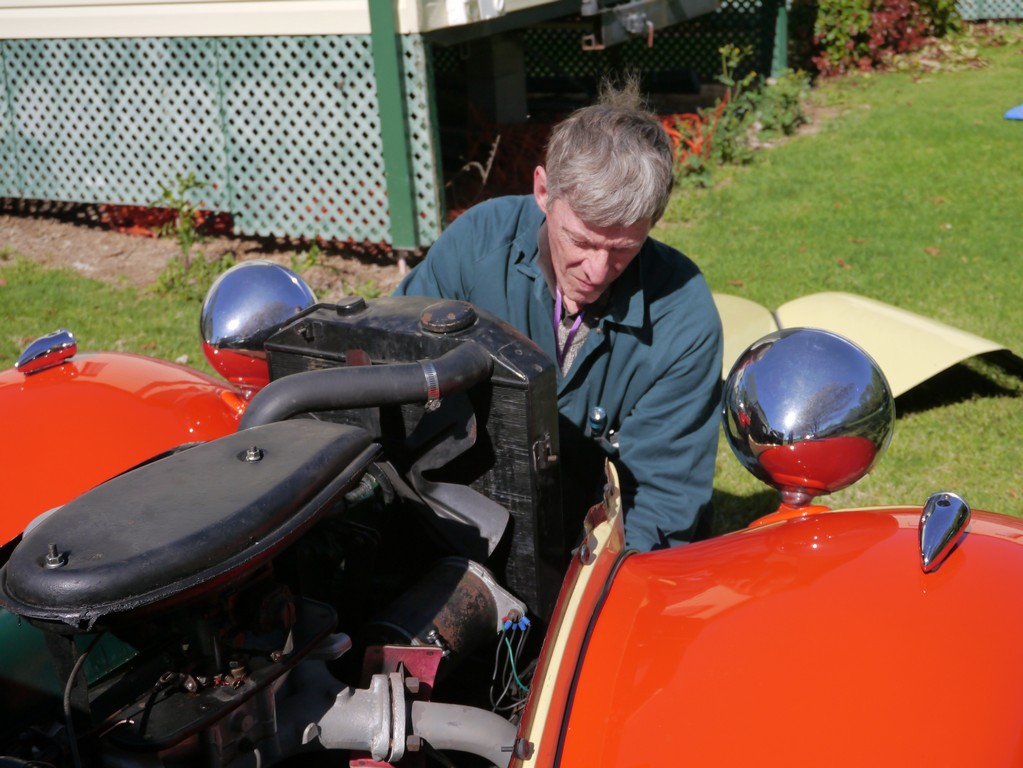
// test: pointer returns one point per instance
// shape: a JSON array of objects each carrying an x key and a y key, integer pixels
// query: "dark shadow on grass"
[
  {"x": 996, "y": 374},
  {"x": 731, "y": 512}
]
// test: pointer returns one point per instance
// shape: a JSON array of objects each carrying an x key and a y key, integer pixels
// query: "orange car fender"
[
  {"x": 70, "y": 427},
  {"x": 818, "y": 640}
]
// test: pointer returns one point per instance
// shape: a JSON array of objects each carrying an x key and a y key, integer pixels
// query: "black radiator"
[{"x": 501, "y": 435}]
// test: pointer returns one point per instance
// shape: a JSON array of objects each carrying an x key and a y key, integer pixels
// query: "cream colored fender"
[{"x": 909, "y": 348}]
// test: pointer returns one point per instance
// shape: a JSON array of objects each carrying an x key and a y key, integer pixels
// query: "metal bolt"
[
  {"x": 412, "y": 683},
  {"x": 253, "y": 454},
  {"x": 523, "y": 749},
  {"x": 54, "y": 559}
]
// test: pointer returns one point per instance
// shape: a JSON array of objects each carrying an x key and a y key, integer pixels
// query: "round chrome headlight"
[
  {"x": 242, "y": 309},
  {"x": 808, "y": 412}
]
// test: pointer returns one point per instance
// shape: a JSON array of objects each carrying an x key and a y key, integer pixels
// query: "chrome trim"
[
  {"x": 942, "y": 526},
  {"x": 47, "y": 351}
]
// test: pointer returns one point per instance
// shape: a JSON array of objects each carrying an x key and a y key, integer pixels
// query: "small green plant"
[
  {"x": 731, "y": 135},
  {"x": 308, "y": 259},
  {"x": 781, "y": 104},
  {"x": 367, "y": 289},
  {"x": 184, "y": 226},
  {"x": 191, "y": 279},
  {"x": 189, "y": 274}
]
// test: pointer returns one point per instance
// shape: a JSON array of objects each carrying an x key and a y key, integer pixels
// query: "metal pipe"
[{"x": 464, "y": 729}]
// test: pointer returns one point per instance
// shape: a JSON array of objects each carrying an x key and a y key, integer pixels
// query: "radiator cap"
[{"x": 447, "y": 317}]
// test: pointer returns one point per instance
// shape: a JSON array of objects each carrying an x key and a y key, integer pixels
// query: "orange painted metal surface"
[
  {"x": 815, "y": 641},
  {"x": 71, "y": 427},
  {"x": 581, "y": 593}
]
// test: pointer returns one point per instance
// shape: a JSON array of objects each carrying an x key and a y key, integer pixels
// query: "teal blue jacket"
[{"x": 653, "y": 363}]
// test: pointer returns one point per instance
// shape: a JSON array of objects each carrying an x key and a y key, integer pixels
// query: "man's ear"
[{"x": 540, "y": 187}]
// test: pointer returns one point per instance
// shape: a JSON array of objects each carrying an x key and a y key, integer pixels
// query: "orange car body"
[
  {"x": 817, "y": 640},
  {"x": 117, "y": 409}
]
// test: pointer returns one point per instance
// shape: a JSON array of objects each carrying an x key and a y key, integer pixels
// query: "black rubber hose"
[{"x": 369, "y": 385}]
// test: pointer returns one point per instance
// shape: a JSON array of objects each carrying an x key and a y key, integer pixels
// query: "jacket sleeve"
[
  {"x": 440, "y": 274},
  {"x": 668, "y": 441}
]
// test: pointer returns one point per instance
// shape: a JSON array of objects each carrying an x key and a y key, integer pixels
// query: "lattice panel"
[
  {"x": 285, "y": 130},
  {"x": 91, "y": 127},
  {"x": 8, "y": 164},
  {"x": 424, "y": 141},
  {"x": 304, "y": 136},
  {"x": 977, "y": 10}
]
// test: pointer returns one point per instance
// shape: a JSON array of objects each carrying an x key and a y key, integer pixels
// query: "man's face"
[{"x": 586, "y": 259}]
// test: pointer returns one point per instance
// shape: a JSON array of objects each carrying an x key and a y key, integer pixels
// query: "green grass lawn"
[
  {"x": 35, "y": 301},
  {"x": 912, "y": 194}
]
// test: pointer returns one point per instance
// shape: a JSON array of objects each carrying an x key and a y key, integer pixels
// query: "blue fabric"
[
  {"x": 1016, "y": 113},
  {"x": 653, "y": 362}
]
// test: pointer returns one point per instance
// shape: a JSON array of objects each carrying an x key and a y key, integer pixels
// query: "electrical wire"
[
  {"x": 510, "y": 679},
  {"x": 69, "y": 721}
]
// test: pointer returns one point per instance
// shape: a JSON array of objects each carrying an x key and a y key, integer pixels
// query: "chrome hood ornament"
[
  {"x": 242, "y": 309},
  {"x": 807, "y": 412},
  {"x": 47, "y": 351},
  {"x": 942, "y": 526}
]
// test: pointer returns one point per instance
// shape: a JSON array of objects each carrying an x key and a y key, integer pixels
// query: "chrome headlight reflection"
[
  {"x": 808, "y": 412},
  {"x": 242, "y": 309}
]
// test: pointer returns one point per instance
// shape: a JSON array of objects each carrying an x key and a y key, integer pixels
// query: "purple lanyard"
[{"x": 563, "y": 350}]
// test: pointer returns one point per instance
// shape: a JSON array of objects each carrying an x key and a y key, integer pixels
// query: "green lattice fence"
[
  {"x": 285, "y": 130},
  {"x": 977, "y": 10}
]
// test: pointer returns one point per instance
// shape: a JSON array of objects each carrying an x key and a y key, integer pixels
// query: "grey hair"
[{"x": 612, "y": 162}]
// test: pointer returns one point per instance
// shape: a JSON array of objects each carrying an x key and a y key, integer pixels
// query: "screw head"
[{"x": 54, "y": 558}]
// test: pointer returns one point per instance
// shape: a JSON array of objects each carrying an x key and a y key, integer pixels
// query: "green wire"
[{"x": 511, "y": 657}]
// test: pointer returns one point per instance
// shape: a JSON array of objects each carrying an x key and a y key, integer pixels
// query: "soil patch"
[{"x": 75, "y": 237}]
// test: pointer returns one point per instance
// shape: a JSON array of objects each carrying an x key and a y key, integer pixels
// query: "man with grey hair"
[{"x": 629, "y": 320}]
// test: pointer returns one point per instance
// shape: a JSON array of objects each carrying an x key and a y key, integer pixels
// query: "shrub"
[
  {"x": 866, "y": 34},
  {"x": 780, "y": 108},
  {"x": 725, "y": 134},
  {"x": 942, "y": 17}
]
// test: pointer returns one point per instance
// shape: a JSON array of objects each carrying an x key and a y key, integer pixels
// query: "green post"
[
  {"x": 394, "y": 128},
  {"x": 780, "y": 53}
]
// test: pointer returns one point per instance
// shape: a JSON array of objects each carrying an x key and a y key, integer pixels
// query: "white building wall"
[{"x": 41, "y": 19}]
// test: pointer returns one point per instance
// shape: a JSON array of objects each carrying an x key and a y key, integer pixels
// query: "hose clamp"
[{"x": 432, "y": 385}]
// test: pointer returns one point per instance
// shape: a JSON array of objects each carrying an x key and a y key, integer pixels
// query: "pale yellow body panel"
[{"x": 909, "y": 348}]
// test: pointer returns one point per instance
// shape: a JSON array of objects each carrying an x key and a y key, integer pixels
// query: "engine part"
[
  {"x": 509, "y": 454},
  {"x": 168, "y": 530},
  {"x": 375, "y": 720},
  {"x": 456, "y": 606},
  {"x": 368, "y": 385}
]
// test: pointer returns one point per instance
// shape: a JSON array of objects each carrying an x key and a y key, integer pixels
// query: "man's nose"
[{"x": 599, "y": 267}]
